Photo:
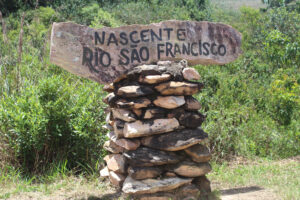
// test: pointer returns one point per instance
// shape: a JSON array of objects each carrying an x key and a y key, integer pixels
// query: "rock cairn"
[{"x": 157, "y": 146}]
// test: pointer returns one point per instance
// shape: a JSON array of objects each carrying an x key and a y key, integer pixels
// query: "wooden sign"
[{"x": 105, "y": 54}]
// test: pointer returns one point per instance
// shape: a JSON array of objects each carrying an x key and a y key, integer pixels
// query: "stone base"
[{"x": 155, "y": 135}]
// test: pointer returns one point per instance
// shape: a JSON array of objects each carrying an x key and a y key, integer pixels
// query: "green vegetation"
[
  {"x": 279, "y": 176},
  {"x": 48, "y": 116}
]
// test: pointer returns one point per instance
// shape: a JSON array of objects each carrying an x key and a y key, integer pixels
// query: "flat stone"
[
  {"x": 191, "y": 103},
  {"x": 169, "y": 102},
  {"x": 118, "y": 127},
  {"x": 123, "y": 114},
  {"x": 113, "y": 147},
  {"x": 134, "y": 91},
  {"x": 191, "y": 169},
  {"x": 128, "y": 144},
  {"x": 191, "y": 119},
  {"x": 154, "y": 79},
  {"x": 104, "y": 172},
  {"x": 203, "y": 184},
  {"x": 199, "y": 153},
  {"x": 190, "y": 74},
  {"x": 140, "y": 173},
  {"x": 188, "y": 119},
  {"x": 175, "y": 141},
  {"x": 154, "y": 113},
  {"x": 179, "y": 88},
  {"x": 115, "y": 162},
  {"x": 109, "y": 87},
  {"x": 132, "y": 186},
  {"x": 147, "y": 157},
  {"x": 133, "y": 103},
  {"x": 116, "y": 179},
  {"x": 149, "y": 127},
  {"x": 77, "y": 55},
  {"x": 174, "y": 69}
]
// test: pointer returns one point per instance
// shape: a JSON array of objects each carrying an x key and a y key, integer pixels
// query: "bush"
[{"x": 52, "y": 121}]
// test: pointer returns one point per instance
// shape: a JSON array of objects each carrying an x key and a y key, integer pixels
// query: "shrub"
[{"x": 52, "y": 121}]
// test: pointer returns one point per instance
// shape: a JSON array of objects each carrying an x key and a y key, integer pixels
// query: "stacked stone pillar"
[{"x": 157, "y": 147}]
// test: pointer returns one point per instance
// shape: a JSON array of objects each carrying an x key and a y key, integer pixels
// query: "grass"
[
  {"x": 237, "y": 4},
  {"x": 281, "y": 177}
]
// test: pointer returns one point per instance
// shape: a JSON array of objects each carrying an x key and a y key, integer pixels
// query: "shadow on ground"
[
  {"x": 240, "y": 190},
  {"x": 110, "y": 196}
]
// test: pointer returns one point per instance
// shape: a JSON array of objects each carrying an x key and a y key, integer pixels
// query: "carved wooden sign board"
[{"x": 105, "y": 54}]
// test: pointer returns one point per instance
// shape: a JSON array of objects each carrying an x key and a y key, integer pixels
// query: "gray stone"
[
  {"x": 128, "y": 144},
  {"x": 104, "y": 172},
  {"x": 116, "y": 179},
  {"x": 199, "y": 153},
  {"x": 115, "y": 162},
  {"x": 147, "y": 157},
  {"x": 178, "y": 88},
  {"x": 192, "y": 103},
  {"x": 149, "y": 127},
  {"x": 154, "y": 113},
  {"x": 191, "y": 169},
  {"x": 123, "y": 114},
  {"x": 133, "y": 103},
  {"x": 169, "y": 102},
  {"x": 154, "y": 79},
  {"x": 175, "y": 141},
  {"x": 134, "y": 91},
  {"x": 132, "y": 186},
  {"x": 118, "y": 127},
  {"x": 113, "y": 147},
  {"x": 140, "y": 173},
  {"x": 190, "y": 74}
]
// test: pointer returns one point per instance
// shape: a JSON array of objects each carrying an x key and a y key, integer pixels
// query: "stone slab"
[
  {"x": 116, "y": 179},
  {"x": 199, "y": 153},
  {"x": 123, "y": 114},
  {"x": 105, "y": 54},
  {"x": 140, "y": 173},
  {"x": 115, "y": 162},
  {"x": 175, "y": 141},
  {"x": 149, "y": 127},
  {"x": 134, "y": 91},
  {"x": 133, "y": 103},
  {"x": 154, "y": 79},
  {"x": 178, "y": 88},
  {"x": 191, "y": 169},
  {"x": 147, "y": 186},
  {"x": 146, "y": 157},
  {"x": 169, "y": 102}
]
